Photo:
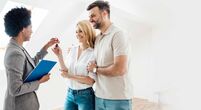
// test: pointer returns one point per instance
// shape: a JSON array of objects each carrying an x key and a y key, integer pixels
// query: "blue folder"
[{"x": 41, "y": 69}]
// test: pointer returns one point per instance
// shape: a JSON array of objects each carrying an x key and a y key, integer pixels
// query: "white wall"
[
  {"x": 3, "y": 87},
  {"x": 176, "y": 50}
]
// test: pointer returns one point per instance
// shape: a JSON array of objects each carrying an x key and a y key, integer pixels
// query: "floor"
[{"x": 142, "y": 104}]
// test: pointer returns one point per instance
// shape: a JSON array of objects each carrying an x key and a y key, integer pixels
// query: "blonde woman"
[{"x": 80, "y": 95}]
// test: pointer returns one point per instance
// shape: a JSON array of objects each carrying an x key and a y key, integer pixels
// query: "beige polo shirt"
[{"x": 108, "y": 45}]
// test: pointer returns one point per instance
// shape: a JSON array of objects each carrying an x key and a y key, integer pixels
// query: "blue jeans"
[
  {"x": 80, "y": 99},
  {"x": 106, "y": 104}
]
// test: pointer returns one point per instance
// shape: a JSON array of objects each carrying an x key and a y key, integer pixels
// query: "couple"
[{"x": 109, "y": 50}]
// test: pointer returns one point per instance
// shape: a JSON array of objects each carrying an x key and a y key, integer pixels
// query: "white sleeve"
[{"x": 91, "y": 74}]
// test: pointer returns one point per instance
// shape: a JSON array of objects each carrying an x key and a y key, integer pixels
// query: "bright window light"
[{"x": 37, "y": 16}]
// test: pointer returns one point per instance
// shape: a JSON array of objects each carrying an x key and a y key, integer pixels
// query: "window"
[{"x": 37, "y": 16}]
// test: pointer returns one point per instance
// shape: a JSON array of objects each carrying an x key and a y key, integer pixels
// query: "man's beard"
[{"x": 97, "y": 25}]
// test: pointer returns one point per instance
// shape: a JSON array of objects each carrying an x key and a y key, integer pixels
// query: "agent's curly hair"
[{"x": 15, "y": 20}]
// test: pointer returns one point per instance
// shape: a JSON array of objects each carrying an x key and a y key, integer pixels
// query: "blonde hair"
[{"x": 88, "y": 31}]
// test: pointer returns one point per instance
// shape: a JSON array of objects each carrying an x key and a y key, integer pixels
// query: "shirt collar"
[{"x": 109, "y": 29}]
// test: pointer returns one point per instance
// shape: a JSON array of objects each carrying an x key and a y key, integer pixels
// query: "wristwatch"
[{"x": 95, "y": 69}]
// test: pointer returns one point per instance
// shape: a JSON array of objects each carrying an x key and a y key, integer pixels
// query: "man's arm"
[
  {"x": 118, "y": 68},
  {"x": 120, "y": 63}
]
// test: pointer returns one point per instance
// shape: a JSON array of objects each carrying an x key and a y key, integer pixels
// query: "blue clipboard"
[{"x": 43, "y": 68}]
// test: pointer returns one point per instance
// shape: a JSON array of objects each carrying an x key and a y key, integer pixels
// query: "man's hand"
[{"x": 91, "y": 66}]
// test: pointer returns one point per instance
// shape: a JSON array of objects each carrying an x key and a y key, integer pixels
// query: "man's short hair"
[
  {"x": 102, "y": 5},
  {"x": 15, "y": 20}
]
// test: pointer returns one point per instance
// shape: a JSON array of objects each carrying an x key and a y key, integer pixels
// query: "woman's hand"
[
  {"x": 65, "y": 74},
  {"x": 57, "y": 50},
  {"x": 44, "y": 78},
  {"x": 51, "y": 42}
]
